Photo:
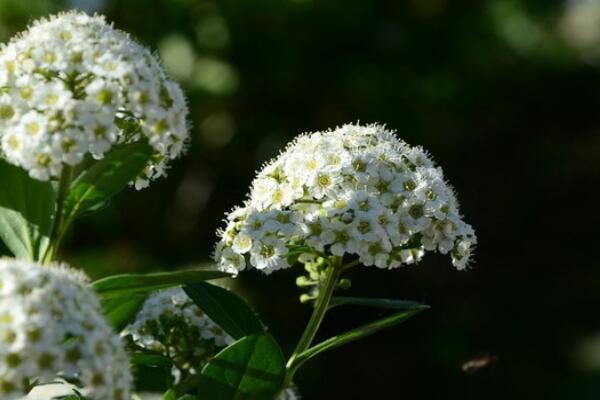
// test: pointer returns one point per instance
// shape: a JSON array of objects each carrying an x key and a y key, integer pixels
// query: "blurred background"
[{"x": 505, "y": 94}]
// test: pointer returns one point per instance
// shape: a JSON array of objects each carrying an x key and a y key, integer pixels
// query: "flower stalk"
[
  {"x": 60, "y": 224},
  {"x": 320, "y": 308}
]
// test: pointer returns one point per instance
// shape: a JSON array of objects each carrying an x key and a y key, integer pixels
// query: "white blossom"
[
  {"x": 72, "y": 86},
  {"x": 51, "y": 326},
  {"x": 357, "y": 192}
]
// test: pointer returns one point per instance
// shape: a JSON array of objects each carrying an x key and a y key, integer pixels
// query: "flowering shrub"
[{"x": 85, "y": 112}]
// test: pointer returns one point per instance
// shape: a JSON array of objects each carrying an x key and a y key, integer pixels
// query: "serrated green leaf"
[
  {"x": 337, "y": 301},
  {"x": 26, "y": 212},
  {"x": 356, "y": 334},
  {"x": 225, "y": 308},
  {"x": 252, "y": 368},
  {"x": 126, "y": 284},
  {"x": 106, "y": 177}
]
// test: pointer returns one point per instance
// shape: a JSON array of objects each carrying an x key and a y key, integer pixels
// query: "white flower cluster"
[
  {"x": 72, "y": 85},
  {"x": 171, "y": 324},
  {"x": 51, "y": 325},
  {"x": 358, "y": 192}
]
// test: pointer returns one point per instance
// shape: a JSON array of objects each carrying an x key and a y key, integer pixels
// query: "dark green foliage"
[
  {"x": 225, "y": 308},
  {"x": 253, "y": 368}
]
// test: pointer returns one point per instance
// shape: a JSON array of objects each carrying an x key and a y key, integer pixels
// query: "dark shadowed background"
[{"x": 504, "y": 94}]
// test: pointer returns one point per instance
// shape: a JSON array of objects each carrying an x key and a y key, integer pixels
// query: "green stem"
[
  {"x": 60, "y": 225},
  {"x": 350, "y": 265},
  {"x": 321, "y": 305}
]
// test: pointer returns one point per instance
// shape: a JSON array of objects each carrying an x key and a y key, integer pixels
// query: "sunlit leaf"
[
  {"x": 120, "y": 311},
  {"x": 126, "y": 284},
  {"x": 105, "y": 178},
  {"x": 170, "y": 395},
  {"x": 123, "y": 295},
  {"x": 356, "y": 334}
]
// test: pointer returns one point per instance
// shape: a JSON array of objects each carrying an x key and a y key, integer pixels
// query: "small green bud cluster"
[{"x": 317, "y": 271}]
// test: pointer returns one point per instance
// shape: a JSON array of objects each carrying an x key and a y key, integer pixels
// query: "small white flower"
[
  {"x": 242, "y": 243},
  {"x": 264, "y": 191},
  {"x": 269, "y": 254},
  {"x": 411, "y": 256},
  {"x": 231, "y": 261}
]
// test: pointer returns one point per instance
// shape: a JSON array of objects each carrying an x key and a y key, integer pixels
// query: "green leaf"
[
  {"x": 170, "y": 395},
  {"x": 356, "y": 334},
  {"x": 153, "y": 371},
  {"x": 120, "y": 311},
  {"x": 374, "y": 302},
  {"x": 225, "y": 308},
  {"x": 75, "y": 396},
  {"x": 126, "y": 284},
  {"x": 252, "y": 368},
  {"x": 106, "y": 177},
  {"x": 151, "y": 360},
  {"x": 26, "y": 212},
  {"x": 123, "y": 295}
]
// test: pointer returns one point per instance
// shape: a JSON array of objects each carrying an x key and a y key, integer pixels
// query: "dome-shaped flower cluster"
[
  {"x": 72, "y": 85},
  {"x": 356, "y": 192},
  {"x": 51, "y": 325},
  {"x": 171, "y": 324}
]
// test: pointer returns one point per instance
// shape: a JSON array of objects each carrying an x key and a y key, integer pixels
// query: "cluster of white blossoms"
[
  {"x": 72, "y": 86},
  {"x": 356, "y": 192},
  {"x": 171, "y": 324},
  {"x": 51, "y": 326}
]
